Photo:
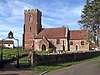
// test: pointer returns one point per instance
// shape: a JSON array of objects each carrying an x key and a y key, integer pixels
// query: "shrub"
[
  {"x": 50, "y": 50},
  {"x": 41, "y": 52}
]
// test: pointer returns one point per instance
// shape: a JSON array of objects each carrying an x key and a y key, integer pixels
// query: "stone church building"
[{"x": 39, "y": 38}]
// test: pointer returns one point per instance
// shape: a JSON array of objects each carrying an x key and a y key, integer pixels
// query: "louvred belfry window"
[{"x": 30, "y": 19}]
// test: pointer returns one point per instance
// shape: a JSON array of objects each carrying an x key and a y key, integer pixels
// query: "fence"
[
  {"x": 58, "y": 58},
  {"x": 11, "y": 58}
]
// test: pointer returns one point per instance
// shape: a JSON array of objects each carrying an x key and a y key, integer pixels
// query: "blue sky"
[{"x": 55, "y": 13}]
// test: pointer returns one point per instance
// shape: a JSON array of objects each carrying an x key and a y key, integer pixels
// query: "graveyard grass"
[{"x": 12, "y": 52}]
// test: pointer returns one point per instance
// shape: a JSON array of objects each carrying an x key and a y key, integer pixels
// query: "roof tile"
[
  {"x": 52, "y": 33},
  {"x": 78, "y": 34}
]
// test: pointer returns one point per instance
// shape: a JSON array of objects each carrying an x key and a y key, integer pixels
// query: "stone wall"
[{"x": 58, "y": 58}]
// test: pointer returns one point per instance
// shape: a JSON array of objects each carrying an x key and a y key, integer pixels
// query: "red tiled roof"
[
  {"x": 52, "y": 33},
  {"x": 7, "y": 42},
  {"x": 79, "y": 35}
]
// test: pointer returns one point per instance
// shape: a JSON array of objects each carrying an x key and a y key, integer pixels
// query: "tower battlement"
[{"x": 32, "y": 11}]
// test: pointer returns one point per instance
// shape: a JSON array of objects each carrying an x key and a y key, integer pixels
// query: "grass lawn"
[
  {"x": 41, "y": 52},
  {"x": 8, "y": 53},
  {"x": 42, "y": 68},
  {"x": 24, "y": 62}
]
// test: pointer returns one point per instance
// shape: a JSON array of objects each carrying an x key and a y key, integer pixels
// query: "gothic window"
[
  {"x": 58, "y": 41},
  {"x": 43, "y": 47},
  {"x": 82, "y": 42},
  {"x": 71, "y": 42}
]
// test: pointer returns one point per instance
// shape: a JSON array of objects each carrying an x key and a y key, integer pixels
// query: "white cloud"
[
  {"x": 1, "y": 10},
  {"x": 3, "y": 27},
  {"x": 14, "y": 10},
  {"x": 13, "y": 18},
  {"x": 62, "y": 16},
  {"x": 60, "y": 10},
  {"x": 47, "y": 26}
]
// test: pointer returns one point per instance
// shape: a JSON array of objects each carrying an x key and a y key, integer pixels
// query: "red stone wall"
[{"x": 31, "y": 29}]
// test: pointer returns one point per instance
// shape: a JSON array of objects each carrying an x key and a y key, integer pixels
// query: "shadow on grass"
[{"x": 15, "y": 68}]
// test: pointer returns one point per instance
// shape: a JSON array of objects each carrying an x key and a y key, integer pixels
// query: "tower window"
[
  {"x": 30, "y": 19},
  {"x": 30, "y": 28}
]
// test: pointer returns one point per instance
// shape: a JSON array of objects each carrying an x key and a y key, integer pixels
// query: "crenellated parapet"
[{"x": 32, "y": 11}]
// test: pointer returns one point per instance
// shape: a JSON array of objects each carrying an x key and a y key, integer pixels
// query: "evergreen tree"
[{"x": 90, "y": 17}]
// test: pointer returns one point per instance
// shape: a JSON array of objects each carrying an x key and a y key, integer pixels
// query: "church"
[{"x": 38, "y": 38}]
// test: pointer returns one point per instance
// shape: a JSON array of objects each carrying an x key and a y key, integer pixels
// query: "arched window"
[
  {"x": 43, "y": 47},
  {"x": 30, "y": 19}
]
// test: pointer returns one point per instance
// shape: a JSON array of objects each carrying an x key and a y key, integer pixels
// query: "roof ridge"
[
  {"x": 78, "y": 30},
  {"x": 55, "y": 28}
]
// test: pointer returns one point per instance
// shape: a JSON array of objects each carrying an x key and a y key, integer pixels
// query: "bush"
[
  {"x": 41, "y": 52},
  {"x": 50, "y": 50}
]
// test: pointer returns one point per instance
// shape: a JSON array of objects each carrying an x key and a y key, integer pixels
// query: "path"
[
  {"x": 16, "y": 72},
  {"x": 86, "y": 68}
]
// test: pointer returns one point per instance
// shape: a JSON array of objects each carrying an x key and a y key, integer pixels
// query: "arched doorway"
[{"x": 43, "y": 47}]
